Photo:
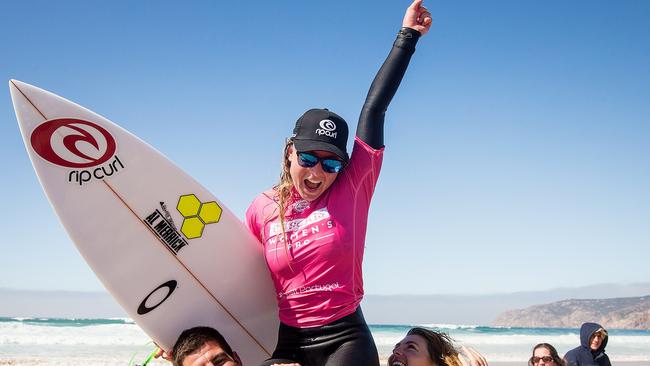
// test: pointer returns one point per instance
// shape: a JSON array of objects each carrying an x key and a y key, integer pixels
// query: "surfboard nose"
[
  {"x": 13, "y": 86},
  {"x": 17, "y": 83},
  {"x": 21, "y": 85},
  {"x": 17, "y": 89},
  {"x": 17, "y": 97}
]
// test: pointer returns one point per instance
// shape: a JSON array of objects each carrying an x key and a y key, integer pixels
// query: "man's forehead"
[{"x": 212, "y": 346}]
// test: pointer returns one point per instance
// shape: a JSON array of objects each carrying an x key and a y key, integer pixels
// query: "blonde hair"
[
  {"x": 282, "y": 191},
  {"x": 285, "y": 184},
  {"x": 602, "y": 331}
]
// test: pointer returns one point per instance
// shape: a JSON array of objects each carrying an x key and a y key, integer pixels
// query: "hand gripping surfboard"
[{"x": 170, "y": 253}]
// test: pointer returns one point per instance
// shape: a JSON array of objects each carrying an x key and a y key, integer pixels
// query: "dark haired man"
[{"x": 204, "y": 346}]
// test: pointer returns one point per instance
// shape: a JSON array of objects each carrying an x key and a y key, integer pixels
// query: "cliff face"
[{"x": 620, "y": 313}]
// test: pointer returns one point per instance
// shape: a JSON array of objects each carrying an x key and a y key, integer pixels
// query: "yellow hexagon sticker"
[
  {"x": 210, "y": 212},
  {"x": 188, "y": 205},
  {"x": 192, "y": 227},
  {"x": 196, "y": 215}
]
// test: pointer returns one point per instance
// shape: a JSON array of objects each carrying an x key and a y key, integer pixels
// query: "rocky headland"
[{"x": 617, "y": 313}]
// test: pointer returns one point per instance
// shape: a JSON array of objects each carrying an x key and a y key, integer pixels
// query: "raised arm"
[{"x": 416, "y": 23}]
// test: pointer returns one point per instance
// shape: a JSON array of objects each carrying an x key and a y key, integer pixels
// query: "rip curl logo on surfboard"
[{"x": 81, "y": 145}]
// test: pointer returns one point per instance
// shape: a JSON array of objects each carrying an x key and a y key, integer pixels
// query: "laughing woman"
[
  {"x": 312, "y": 224},
  {"x": 425, "y": 347}
]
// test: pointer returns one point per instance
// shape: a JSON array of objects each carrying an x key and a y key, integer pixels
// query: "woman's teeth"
[{"x": 311, "y": 185}]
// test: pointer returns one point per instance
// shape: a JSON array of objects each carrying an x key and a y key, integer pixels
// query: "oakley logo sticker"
[
  {"x": 73, "y": 143},
  {"x": 157, "y": 293}
]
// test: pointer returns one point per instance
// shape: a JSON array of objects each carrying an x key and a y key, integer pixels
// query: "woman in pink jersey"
[{"x": 312, "y": 224}]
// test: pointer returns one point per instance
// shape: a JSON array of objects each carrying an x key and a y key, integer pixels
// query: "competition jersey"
[{"x": 322, "y": 281}]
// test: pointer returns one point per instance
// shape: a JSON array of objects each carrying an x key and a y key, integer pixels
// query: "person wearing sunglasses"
[
  {"x": 426, "y": 347},
  {"x": 545, "y": 354},
  {"x": 312, "y": 224},
  {"x": 591, "y": 352}
]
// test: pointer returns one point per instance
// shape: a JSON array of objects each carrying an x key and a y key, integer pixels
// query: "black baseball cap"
[{"x": 321, "y": 129}]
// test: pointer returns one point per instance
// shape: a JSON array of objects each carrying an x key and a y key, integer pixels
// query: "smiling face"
[
  {"x": 596, "y": 340},
  {"x": 543, "y": 357},
  {"x": 310, "y": 183},
  {"x": 411, "y": 351}
]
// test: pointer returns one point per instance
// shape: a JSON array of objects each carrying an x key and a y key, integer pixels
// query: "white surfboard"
[{"x": 169, "y": 252}]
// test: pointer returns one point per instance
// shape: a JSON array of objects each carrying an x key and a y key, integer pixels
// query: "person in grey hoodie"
[{"x": 591, "y": 352}]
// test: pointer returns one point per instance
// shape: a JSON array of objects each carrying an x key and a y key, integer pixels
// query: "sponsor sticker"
[
  {"x": 165, "y": 230},
  {"x": 157, "y": 297},
  {"x": 197, "y": 214},
  {"x": 84, "y": 147}
]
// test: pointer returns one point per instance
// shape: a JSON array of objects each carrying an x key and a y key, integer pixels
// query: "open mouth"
[
  {"x": 311, "y": 185},
  {"x": 392, "y": 361}
]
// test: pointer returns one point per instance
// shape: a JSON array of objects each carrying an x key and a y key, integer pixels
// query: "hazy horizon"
[
  {"x": 634, "y": 286},
  {"x": 378, "y": 309}
]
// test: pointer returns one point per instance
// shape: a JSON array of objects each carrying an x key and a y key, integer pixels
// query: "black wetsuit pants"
[{"x": 346, "y": 341}]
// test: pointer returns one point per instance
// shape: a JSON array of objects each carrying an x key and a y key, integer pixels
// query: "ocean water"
[{"x": 32, "y": 341}]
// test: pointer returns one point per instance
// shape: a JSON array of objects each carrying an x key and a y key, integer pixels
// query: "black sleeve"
[{"x": 371, "y": 122}]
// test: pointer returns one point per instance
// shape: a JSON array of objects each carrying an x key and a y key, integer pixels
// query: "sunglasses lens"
[
  {"x": 546, "y": 359},
  {"x": 332, "y": 165},
  {"x": 307, "y": 160}
]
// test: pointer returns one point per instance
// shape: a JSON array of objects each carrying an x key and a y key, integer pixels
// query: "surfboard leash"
[{"x": 151, "y": 356}]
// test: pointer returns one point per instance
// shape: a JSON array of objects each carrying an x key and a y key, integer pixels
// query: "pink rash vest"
[{"x": 325, "y": 239}]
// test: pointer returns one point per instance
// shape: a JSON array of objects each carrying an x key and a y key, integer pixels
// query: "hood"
[{"x": 586, "y": 331}]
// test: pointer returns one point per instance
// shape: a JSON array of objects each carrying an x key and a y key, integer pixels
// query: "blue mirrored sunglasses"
[{"x": 307, "y": 160}]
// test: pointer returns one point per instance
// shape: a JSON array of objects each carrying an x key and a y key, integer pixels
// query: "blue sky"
[{"x": 517, "y": 146}]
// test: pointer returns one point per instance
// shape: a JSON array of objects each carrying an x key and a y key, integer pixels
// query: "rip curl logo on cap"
[
  {"x": 328, "y": 125},
  {"x": 73, "y": 143},
  {"x": 327, "y": 128}
]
